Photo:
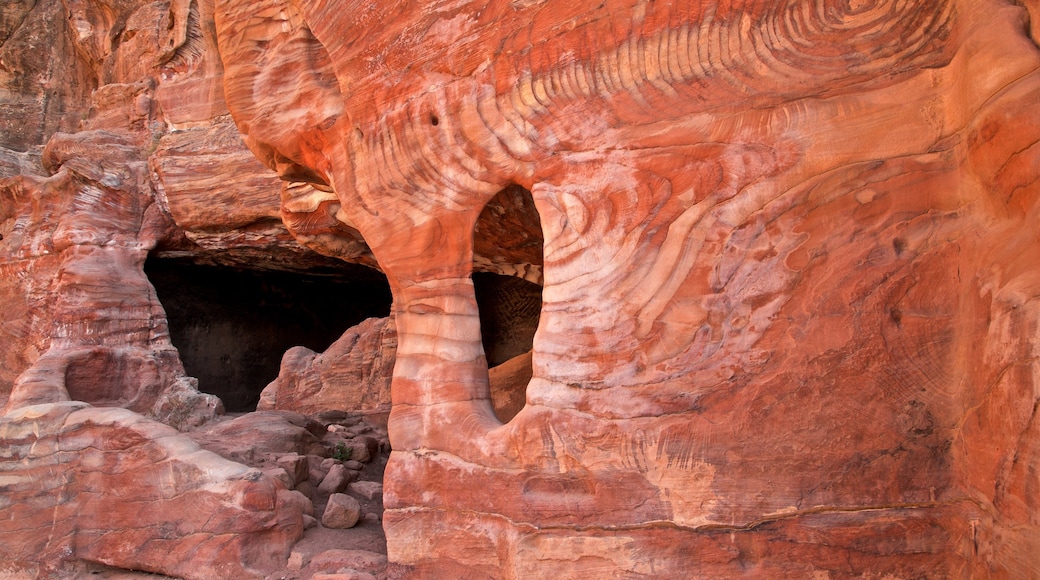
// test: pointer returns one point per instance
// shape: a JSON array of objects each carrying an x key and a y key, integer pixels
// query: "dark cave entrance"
[
  {"x": 508, "y": 290},
  {"x": 231, "y": 325}
]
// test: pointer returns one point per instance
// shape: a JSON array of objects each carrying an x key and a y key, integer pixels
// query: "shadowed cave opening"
[
  {"x": 508, "y": 234},
  {"x": 231, "y": 325}
]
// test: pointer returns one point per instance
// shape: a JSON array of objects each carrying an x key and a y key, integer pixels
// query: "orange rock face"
[
  {"x": 790, "y": 263},
  {"x": 354, "y": 373},
  {"x": 88, "y": 370},
  {"x": 789, "y": 252}
]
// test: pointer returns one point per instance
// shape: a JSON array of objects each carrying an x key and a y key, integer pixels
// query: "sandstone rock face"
[
  {"x": 82, "y": 321},
  {"x": 356, "y": 370},
  {"x": 353, "y": 373},
  {"x": 36, "y": 95},
  {"x": 280, "y": 432},
  {"x": 789, "y": 322},
  {"x": 114, "y": 145},
  {"x": 129, "y": 492},
  {"x": 342, "y": 511},
  {"x": 788, "y": 248}
]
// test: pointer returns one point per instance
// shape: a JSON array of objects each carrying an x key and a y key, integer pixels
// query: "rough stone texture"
[
  {"x": 267, "y": 432},
  {"x": 508, "y": 386},
  {"x": 353, "y": 373},
  {"x": 336, "y": 480},
  {"x": 81, "y": 320},
  {"x": 341, "y": 512},
  {"x": 356, "y": 370},
  {"x": 295, "y": 465},
  {"x": 368, "y": 490},
  {"x": 359, "y": 560},
  {"x": 42, "y": 89},
  {"x": 789, "y": 322},
  {"x": 510, "y": 308},
  {"x": 116, "y": 145},
  {"x": 125, "y": 491}
]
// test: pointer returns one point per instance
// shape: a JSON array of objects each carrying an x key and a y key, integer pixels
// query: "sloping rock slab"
[
  {"x": 248, "y": 437},
  {"x": 106, "y": 485}
]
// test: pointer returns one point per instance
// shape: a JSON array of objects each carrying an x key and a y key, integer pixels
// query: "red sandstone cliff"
[{"x": 790, "y": 253}]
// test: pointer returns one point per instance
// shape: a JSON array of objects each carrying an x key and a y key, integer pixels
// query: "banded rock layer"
[{"x": 789, "y": 318}]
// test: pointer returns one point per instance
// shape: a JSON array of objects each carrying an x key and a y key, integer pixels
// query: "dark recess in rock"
[
  {"x": 232, "y": 326},
  {"x": 509, "y": 311}
]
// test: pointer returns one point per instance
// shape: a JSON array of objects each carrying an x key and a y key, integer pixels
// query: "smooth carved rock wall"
[
  {"x": 82, "y": 321},
  {"x": 789, "y": 321}
]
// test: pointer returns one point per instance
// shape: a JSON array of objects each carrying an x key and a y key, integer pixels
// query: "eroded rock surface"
[
  {"x": 124, "y": 491},
  {"x": 788, "y": 249},
  {"x": 790, "y": 273},
  {"x": 353, "y": 373},
  {"x": 112, "y": 133}
]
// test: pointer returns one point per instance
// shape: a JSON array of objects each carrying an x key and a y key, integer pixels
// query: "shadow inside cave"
[{"x": 232, "y": 325}]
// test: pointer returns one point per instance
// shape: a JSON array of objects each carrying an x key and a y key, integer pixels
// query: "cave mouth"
[
  {"x": 508, "y": 291},
  {"x": 232, "y": 325}
]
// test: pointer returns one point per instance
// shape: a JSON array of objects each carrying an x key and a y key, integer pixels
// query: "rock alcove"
[
  {"x": 232, "y": 325},
  {"x": 790, "y": 311},
  {"x": 508, "y": 241}
]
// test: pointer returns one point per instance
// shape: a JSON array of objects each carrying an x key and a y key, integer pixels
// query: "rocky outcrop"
[
  {"x": 128, "y": 492},
  {"x": 44, "y": 88},
  {"x": 353, "y": 373},
  {"x": 788, "y": 253},
  {"x": 789, "y": 310},
  {"x": 356, "y": 370},
  {"x": 83, "y": 323},
  {"x": 105, "y": 158}
]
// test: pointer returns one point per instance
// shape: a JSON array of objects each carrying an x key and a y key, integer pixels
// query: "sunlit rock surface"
[{"x": 88, "y": 374}]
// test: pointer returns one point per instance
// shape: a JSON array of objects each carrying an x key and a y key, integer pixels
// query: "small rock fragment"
[
  {"x": 296, "y": 561},
  {"x": 341, "y": 512},
  {"x": 296, "y": 497},
  {"x": 369, "y": 490},
  {"x": 337, "y": 479},
  {"x": 295, "y": 465}
]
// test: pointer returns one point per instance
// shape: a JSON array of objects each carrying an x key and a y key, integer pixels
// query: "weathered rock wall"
[
  {"x": 789, "y": 253},
  {"x": 88, "y": 369},
  {"x": 790, "y": 273}
]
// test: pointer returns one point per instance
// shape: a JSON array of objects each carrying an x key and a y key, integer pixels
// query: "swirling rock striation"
[{"x": 789, "y": 308}]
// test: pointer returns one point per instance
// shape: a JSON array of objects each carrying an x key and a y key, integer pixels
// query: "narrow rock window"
[
  {"x": 507, "y": 283},
  {"x": 232, "y": 325}
]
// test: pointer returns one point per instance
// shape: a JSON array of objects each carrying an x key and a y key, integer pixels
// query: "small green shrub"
[{"x": 342, "y": 452}]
